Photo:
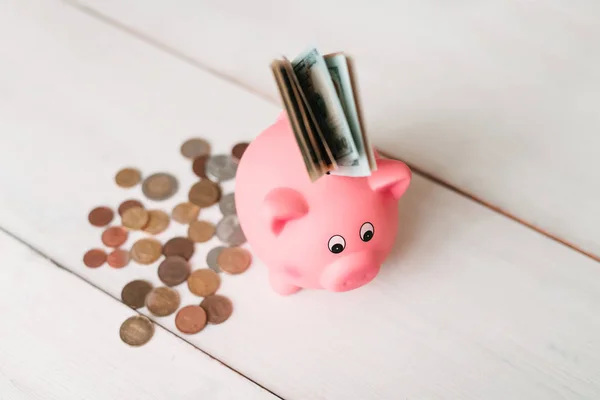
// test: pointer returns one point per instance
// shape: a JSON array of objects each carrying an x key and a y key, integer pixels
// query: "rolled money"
[{"x": 315, "y": 80}]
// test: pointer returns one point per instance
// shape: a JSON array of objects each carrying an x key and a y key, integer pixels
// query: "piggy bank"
[{"x": 331, "y": 234}]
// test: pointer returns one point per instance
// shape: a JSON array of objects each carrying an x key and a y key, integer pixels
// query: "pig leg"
[{"x": 281, "y": 284}]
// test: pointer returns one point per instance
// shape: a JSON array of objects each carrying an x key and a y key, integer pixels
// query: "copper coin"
[
  {"x": 135, "y": 218},
  {"x": 101, "y": 216},
  {"x": 234, "y": 260},
  {"x": 160, "y": 186},
  {"x": 94, "y": 258},
  {"x": 174, "y": 270},
  {"x": 184, "y": 213},
  {"x": 146, "y": 251},
  {"x": 190, "y": 319},
  {"x": 199, "y": 166},
  {"x": 119, "y": 258},
  {"x": 114, "y": 236},
  {"x": 127, "y": 204},
  {"x": 136, "y": 330},
  {"x": 162, "y": 301},
  {"x": 204, "y": 282},
  {"x": 195, "y": 147},
  {"x": 204, "y": 193},
  {"x": 158, "y": 221},
  {"x": 218, "y": 308},
  {"x": 135, "y": 292},
  {"x": 128, "y": 177},
  {"x": 201, "y": 231},
  {"x": 179, "y": 246},
  {"x": 238, "y": 151}
]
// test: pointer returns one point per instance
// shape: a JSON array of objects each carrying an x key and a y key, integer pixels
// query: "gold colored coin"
[
  {"x": 160, "y": 186},
  {"x": 136, "y": 330},
  {"x": 218, "y": 308},
  {"x": 204, "y": 193},
  {"x": 135, "y": 292},
  {"x": 184, "y": 213},
  {"x": 162, "y": 301},
  {"x": 190, "y": 319},
  {"x": 195, "y": 147},
  {"x": 135, "y": 218},
  {"x": 146, "y": 251},
  {"x": 201, "y": 231},
  {"x": 158, "y": 221},
  {"x": 128, "y": 177},
  {"x": 234, "y": 260},
  {"x": 204, "y": 282}
]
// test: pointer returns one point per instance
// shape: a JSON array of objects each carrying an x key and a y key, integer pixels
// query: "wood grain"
[
  {"x": 499, "y": 99},
  {"x": 470, "y": 305},
  {"x": 59, "y": 339}
]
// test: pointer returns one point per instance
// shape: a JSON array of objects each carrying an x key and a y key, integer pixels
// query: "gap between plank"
[
  {"x": 193, "y": 62},
  {"x": 60, "y": 266}
]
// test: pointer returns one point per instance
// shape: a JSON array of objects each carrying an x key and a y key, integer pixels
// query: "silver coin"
[
  {"x": 160, "y": 186},
  {"x": 211, "y": 258},
  {"x": 227, "y": 204},
  {"x": 221, "y": 167},
  {"x": 230, "y": 231}
]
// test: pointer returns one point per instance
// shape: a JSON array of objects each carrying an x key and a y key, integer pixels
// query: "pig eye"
[
  {"x": 336, "y": 244},
  {"x": 367, "y": 231}
]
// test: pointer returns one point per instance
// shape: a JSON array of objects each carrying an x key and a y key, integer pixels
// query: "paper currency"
[
  {"x": 314, "y": 78},
  {"x": 340, "y": 75},
  {"x": 320, "y": 96}
]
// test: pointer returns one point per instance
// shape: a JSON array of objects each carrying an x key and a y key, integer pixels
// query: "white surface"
[
  {"x": 59, "y": 339},
  {"x": 499, "y": 98},
  {"x": 470, "y": 305}
]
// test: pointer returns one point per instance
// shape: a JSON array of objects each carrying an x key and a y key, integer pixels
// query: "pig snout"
[{"x": 350, "y": 272}]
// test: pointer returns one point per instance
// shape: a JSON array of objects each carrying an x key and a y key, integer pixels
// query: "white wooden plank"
[
  {"x": 59, "y": 339},
  {"x": 499, "y": 98},
  {"x": 470, "y": 304}
]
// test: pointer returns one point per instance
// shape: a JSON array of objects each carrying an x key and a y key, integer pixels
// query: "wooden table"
[{"x": 494, "y": 104}]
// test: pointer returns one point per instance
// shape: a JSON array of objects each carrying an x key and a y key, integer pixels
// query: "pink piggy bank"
[{"x": 332, "y": 234}]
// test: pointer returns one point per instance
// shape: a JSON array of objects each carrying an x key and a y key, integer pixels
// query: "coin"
[
  {"x": 218, "y": 308},
  {"x": 212, "y": 258},
  {"x": 201, "y": 231},
  {"x": 160, "y": 186},
  {"x": 221, "y": 167},
  {"x": 199, "y": 166},
  {"x": 230, "y": 231},
  {"x": 94, "y": 258},
  {"x": 174, "y": 270},
  {"x": 158, "y": 221},
  {"x": 195, "y": 147},
  {"x": 234, "y": 260},
  {"x": 146, "y": 251},
  {"x": 179, "y": 246},
  {"x": 184, "y": 213},
  {"x": 204, "y": 193},
  {"x": 128, "y": 177},
  {"x": 118, "y": 258},
  {"x": 227, "y": 204},
  {"x": 203, "y": 282},
  {"x": 135, "y": 292},
  {"x": 135, "y": 218},
  {"x": 190, "y": 319},
  {"x": 136, "y": 330},
  {"x": 162, "y": 301},
  {"x": 101, "y": 216},
  {"x": 114, "y": 236},
  {"x": 127, "y": 204},
  {"x": 238, "y": 151}
]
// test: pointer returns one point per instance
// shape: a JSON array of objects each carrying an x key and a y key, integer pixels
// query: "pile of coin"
[{"x": 175, "y": 268}]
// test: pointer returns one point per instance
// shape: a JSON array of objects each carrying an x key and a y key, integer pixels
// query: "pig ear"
[
  {"x": 282, "y": 116},
  {"x": 391, "y": 176},
  {"x": 283, "y": 205}
]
